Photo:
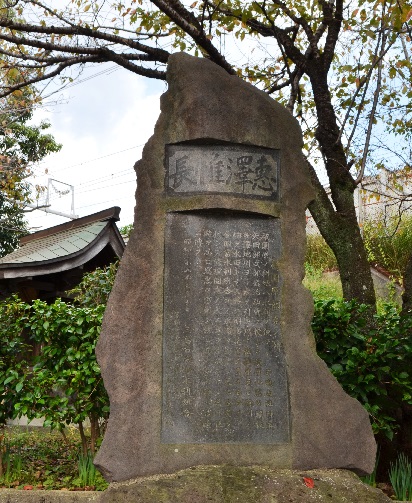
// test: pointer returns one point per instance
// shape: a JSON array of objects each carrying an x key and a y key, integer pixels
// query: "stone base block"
[{"x": 228, "y": 484}]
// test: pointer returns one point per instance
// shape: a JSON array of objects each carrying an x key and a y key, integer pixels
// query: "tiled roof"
[{"x": 55, "y": 246}]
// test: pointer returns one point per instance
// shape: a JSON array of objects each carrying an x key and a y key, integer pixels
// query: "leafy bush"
[
  {"x": 95, "y": 287},
  {"x": 372, "y": 364},
  {"x": 14, "y": 353},
  {"x": 62, "y": 384}
]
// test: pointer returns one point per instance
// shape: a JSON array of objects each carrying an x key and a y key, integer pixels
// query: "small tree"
[
  {"x": 66, "y": 386},
  {"x": 63, "y": 383}
]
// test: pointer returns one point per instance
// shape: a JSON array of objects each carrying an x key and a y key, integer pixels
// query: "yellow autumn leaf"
[
  {"x": 408, "y": 15},
  {"x": 193, "y": 5},
  {"x": 13, "y": 73},
  {"x": 87, "y": 7}
]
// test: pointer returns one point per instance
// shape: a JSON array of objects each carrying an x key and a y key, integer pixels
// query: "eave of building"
[{"x": 52, "y": 251}]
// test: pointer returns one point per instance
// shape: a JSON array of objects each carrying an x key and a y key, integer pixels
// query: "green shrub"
[
  {"x": 63, "y": 383},
  {"x": 95, "y": 287},
  {"x": 372, "y": 364},
  {"x": 14, "y": 354}
]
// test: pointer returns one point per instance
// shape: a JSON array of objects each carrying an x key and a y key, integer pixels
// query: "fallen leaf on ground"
[{"x": 309, "y": 482}]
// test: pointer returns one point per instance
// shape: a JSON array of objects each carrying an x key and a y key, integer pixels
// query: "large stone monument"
[{"x": 206, "y": 349}]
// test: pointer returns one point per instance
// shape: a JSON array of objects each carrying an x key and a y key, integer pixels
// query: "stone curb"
[{"x": 20, "y": 496}]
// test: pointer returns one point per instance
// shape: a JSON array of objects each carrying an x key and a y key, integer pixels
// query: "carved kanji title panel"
[{"x": 239, "y": 170}]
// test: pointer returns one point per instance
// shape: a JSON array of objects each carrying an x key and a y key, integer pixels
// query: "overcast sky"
[{"x": 103, "y": 121}]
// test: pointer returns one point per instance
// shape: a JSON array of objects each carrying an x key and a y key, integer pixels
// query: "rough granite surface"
[
  {"x": 329, "y": 429},
  {"x": 228, "y": 484},
  {"x": 219, "y": 484}
]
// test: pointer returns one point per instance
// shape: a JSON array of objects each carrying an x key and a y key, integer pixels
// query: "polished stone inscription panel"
[
  {"x": 216, "y": 169},
  {"x": 224, "y": 375}
]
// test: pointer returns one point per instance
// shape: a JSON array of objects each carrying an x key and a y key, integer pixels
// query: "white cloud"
[{"x": 104, "y": 117}]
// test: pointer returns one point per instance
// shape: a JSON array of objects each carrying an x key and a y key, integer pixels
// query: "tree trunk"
[
  {"x": 337, "y": 222},
  {"x": 84, "y": 439},
  {"x": 344, "y": 238},
  {"x": 2, "y": 449},
  {"x": 405, "y": 431},
  {"x": 94, "y": 432}
]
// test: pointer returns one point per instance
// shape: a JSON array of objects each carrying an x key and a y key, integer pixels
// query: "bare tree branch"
[
  {"x": 300, "y": 21},
  {"x": 160, "y": 54},
  {"x": 34, "y": 80},
  {"x": 188, "y": 22},
  {"x": 372, "y": 113},
  {"x": 334, "y": 22},
  {"x": 363, "y": 86}
]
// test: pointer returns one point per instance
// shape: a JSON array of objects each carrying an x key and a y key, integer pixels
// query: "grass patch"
[
  {"x": 327, "y": 286},
  {"x": 388, "y": 244},
  {"x": 44, "y": 460},
  {"x": 323, "y": 286},
  {"x": 318, "y": 254}
]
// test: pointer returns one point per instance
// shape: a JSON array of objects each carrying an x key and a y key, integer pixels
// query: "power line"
[
  {"x": 105, "y": 187},
  {"x": 96, "y": 204},
  {"x": 97, "y": 158},
  {"x": 81, "y": 81},
  {"x": 94, "y": 181}
]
